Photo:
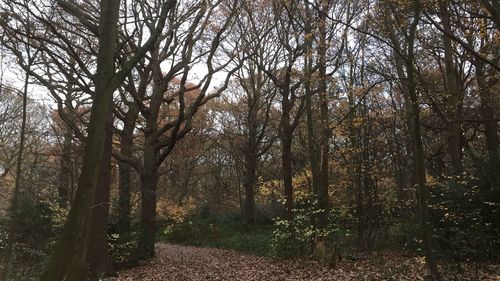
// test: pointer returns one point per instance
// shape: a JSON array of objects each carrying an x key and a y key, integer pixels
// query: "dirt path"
[{"x": 185, "y": 263}]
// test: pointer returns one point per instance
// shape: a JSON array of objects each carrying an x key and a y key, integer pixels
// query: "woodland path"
[{"x": 186, "y": 263}]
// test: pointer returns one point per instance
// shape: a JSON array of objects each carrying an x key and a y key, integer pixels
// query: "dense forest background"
[{"x": 314, "y": 129}]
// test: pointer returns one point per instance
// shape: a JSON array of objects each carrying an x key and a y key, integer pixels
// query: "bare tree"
[
  {"x": 250, "y": 99},
  {"x": 404, "y": 56},
  {"x": 165, "y": 98},
  {"x": 15, "y": 200},
  {"x": 287, "y": 51},
  {"x": 69, "y": 258}
]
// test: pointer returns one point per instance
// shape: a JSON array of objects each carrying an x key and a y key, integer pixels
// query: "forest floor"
[{"x": 186, "y": 263}]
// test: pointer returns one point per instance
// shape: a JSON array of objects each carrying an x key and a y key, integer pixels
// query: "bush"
[
  {"x": 122, "y": 251},
  {"x": 31, "y": 248},
  {"x": 225, "y": 232},
  {"x": 294, "y": 238},
  {"x": 461, "y": 211}
]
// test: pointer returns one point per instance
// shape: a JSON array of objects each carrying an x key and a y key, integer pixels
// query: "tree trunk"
[
  {"x": 410, "y": 177},
  {"x": 324, "y": 140},
  {"x": 312, "y": 144},
  {"x": 69, "y": 257},
  {"x": 249, "y": 186},
  {"x": 357, "y": 174},
  {"x": 149, "y": 179},
  {"x": 124, "y": 189},
  {"x": 125, "y": 173},
  {"x": 488, "y": 111},
  {"x": 286, "y": 159},
  {"x": 454, "y": 98},
  {"x": 423, "y": 194},
  {"x": 419, "y": 158},
  {"x": 251, "y": 156},
  {"x": 99, "y": 260},
  {"x": 65, "y": 173},
  {"x": 312, "y": 141},
  {"x": 318, "y": 142}
]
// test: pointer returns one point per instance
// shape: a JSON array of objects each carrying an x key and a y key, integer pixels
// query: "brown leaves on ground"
[{"x": 185, "y": 263}]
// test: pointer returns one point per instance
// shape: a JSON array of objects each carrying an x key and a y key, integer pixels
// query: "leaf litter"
[{"x": 188, "y": 263}]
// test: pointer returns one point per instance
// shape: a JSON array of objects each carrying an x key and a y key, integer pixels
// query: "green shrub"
[
  {"x": 294, "y": 238},
  {"x": 461, "y": 211},
  {"x": 122, "y": 251},
  {"x": 37, "y": 225},
  {"x": 225, "y": 232}
]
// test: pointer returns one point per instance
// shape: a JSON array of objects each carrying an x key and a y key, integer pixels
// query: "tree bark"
[
  {"x": 419, "y": 158},
  {"x": 488, "y": 110},
  {"x": 286, "y": 158},
  {"x": 251, "y": 154},
  {"x": 69, "y": 258},
  {"x": 318, "y": 142},
  {"x": 125, "y": 173},
  {"x": 99, "y": 260},
  {"x": 324, "y": 141},
  {"x": 312, "y": 143},
  {"x": 454, "y": 97},
  {"x": 249, "y": 186},
  {"x": 65, "y": 172},
  {"x": 149, "y": 179}
]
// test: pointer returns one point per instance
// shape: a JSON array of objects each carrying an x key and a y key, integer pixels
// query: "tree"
[
  {"x": 287, "y": 52},
  {"x": 251, "y": 99},
  {"x": 405, "y": 63},
  {"x": 69, "y": 258},
  {"x": 170, "y": 103},
  {"x": 28, "y": 61},
  {"x": 15, "y": 201},
  {"x": 245, "y": 117},
  {"x": 419, "y": 161}
]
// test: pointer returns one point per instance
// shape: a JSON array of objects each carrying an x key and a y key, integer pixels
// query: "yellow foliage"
[
  {"x": 177, "y": 212},
  {"x": 431, "y": 181}
]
